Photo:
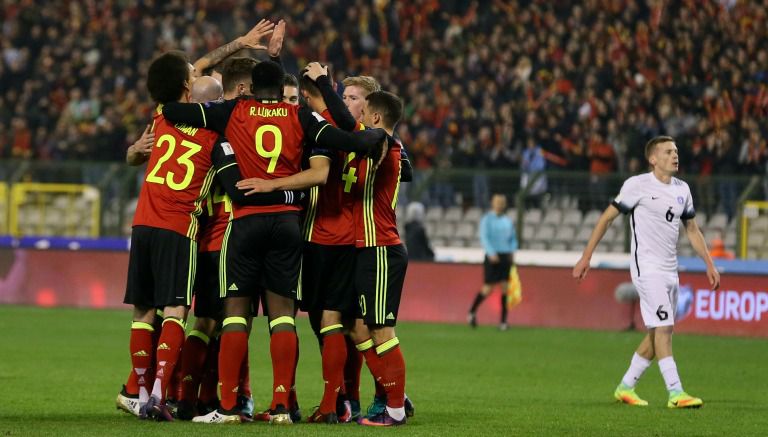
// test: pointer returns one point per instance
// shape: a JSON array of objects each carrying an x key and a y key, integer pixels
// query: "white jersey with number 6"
[{"x": 655, "y": 210}]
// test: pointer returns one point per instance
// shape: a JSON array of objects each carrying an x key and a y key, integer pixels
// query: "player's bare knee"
[
  {"x": 143, "y": 314},
  {"x": 330, "y": 318},
  {"x": 381, "y": 334},
  {"x": 206, "y": 325},
  {"x": 177, "y": 312}
]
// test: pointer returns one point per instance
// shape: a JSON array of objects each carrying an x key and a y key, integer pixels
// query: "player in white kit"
[{"x": 656, "y": 202}]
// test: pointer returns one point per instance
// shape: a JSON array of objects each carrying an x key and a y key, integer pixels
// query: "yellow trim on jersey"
[
  {"x": 205, "y": 122},
  {"x": 387, "y": 345},
  {"x": 397, "y": 187},
  {"x": 283, "y": 320},
  {"x": 309, "y": 220},
  {"x": 382, "y": 270},
  {"x": 223, "y": 260},
  {"x": 204, "y": 189},
  {"x": 142, "y": 325},
  {"x": 299, "y": 293},
  {"x": 192, "y": 272},
  {"x": 364, "y": 346},
  {"x": 368, "y": 197},
  {"x": 226, "y": 166},
  {"x": 321, "y": 131},
  {"x": 233, "y": 320}
]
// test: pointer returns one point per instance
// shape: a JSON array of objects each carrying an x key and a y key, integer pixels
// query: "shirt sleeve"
[
  {"x": 228, "y": 173},
  {"x": 317, "y": 129},
  {"x": 209, "y": 115},
  {"x": 336, "y": 106},
  {"x": 406, "y": 169},
  {"x": 688, "y": 210},
  {"x": 485, "y": 235},
  {"x": 628, "y": 197}
]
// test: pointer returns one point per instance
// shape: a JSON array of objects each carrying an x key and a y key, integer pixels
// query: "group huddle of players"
[{"x": 253, "y": 199}]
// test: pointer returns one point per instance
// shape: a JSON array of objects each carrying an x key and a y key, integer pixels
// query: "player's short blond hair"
[{"x": 368, "y": 83}]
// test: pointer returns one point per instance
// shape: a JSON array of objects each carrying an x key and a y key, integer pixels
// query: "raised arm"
[
  {"x": 700, "y": 246},
  {"x": 406, "y": 169},
  {"x": 250, "y": 40},
  {"x": 341, "y": 115},
  {"x": 582, "y": 266}
]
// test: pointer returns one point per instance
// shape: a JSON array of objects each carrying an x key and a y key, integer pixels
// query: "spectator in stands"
[
  {"x": 416, "y": 239},
  {"x": 497, "y": 234},
  {"x": 718, "y": 250},
  {"x": 532, "y": 176}
]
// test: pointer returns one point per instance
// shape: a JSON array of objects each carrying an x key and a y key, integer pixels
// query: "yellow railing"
[
  {"x": 3, "y": 208},
  {"x": 54, "y": 209},
  {"x": 752, "y": 210}
]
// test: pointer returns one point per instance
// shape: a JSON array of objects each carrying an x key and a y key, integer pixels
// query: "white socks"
[
  {"x": 669, "y": 373},
  {"x": 396, "y": 413},
  {"x": 637, "y": 367}
]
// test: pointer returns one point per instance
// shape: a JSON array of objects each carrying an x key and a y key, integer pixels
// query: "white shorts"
[{"x": 658, "y": 298}]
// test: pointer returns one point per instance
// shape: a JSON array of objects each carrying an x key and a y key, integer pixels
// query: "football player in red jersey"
[
  {"x": 326, "y": 287},
  {"x": 381, "y": 260},
  {"x": 267, "y": 136}
]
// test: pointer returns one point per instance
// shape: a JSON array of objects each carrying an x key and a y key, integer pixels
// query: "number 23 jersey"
[
  {"x": 178, "y": 176},
  {"x": 655, "y": 210}
]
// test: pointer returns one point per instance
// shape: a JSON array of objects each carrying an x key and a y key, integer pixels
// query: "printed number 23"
[
  {"x": 274, "y": 154},
  {"x": 183, "y": 160}
]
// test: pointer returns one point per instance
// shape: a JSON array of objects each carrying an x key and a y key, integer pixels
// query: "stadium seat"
[
  {"x": 553, "y": 217},
  {"x": 592, "y": 217},
  {"x": 473, "y": 214},
  {"x": 759, "y": 224},
  {"x": 582, "y": 236},
  {"x": 466, "y": 230},
  {"x": 438, "y": 242},
  {"x": 558, "y": 246},
  {"x": 434, "y": 214},
  {"x": 756, "y": 241},
  {"x": 453, "y": 214},
  {"x": 532, "y": 216},
  {"x": 545, "y": 233},
  {"x": 537, "y": 245},
  {"x": 565, "y": 233},
  {"x": 572, "y": 217},
  {"x": 529, "y": 231},
  {"x": 445, "y": 230},
  {"x": 617, "y": 247},
  {"x": 718, "y": 220}
]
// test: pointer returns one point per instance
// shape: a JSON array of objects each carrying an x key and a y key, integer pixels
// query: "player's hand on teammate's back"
[
  {"x": 255, "y": 185},
  {"x": 580, "y": 269},
  {"x": 714, "y": 277},
  {"x": 276, "y": 41},
  {"x": 145, "y": 143},
  {"x": 314, "y": 70},
  {"x": 494, "y": 259},
  {"x": 252, "y": 39}
]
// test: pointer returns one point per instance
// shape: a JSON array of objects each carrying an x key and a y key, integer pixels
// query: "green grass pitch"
[{"x": 60, "y": 370}]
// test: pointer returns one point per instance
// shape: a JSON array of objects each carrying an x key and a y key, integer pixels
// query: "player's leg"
[
  {"x": 662, "y": 343},
  {"x": 281, "y": 276},
  {"x": 140, "y": 293},
  {"x": 194, "y": 355},
  {"x": 485, "y": 290},
  {"x": 334, "y": 354},
  {"x": 380, "y": 277},
  {"x": 641, "y": 360},
  {"x": 282, "y": 346},
  {"x": 503, "y": 326}
]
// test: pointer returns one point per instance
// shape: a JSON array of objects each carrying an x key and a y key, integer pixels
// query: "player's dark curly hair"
[
  {"x": 167, "y": 76},
  {"x": 267, "y": 80},
  {"x": 235, "y": 71}
]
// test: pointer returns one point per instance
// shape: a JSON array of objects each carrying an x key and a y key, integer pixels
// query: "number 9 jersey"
[{"x": 178, "y": 177}]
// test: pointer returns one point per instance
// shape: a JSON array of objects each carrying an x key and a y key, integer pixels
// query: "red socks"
[
  {"x": 391, "y": 369},
  {"x": 209, "y": 384},
  {"x": 283, "y": 349},
  {"x": 334, "y": 356},
  {"x": 142, "y": 355},
  {"x": 234, "y": 347},
  {"x": 193, "y": 357},
  {"x": 168, "y": 351},
  {"x": 352, "y": 367}
]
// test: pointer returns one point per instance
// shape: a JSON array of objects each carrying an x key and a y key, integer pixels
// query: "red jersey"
[
  {"x": 329, "y": 211},
  {"x": 178, "y": 177},
  {"x": 268, "y": 142},
  {"x": 217, "y": 207},
  {"x": 376, "y": 200}
]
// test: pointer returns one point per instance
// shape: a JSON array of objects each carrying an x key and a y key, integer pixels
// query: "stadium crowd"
[{"x": 482, "y": 80}]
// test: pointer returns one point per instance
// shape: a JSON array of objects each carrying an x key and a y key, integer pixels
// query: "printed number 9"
[{"x": 274, "y": 154}]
